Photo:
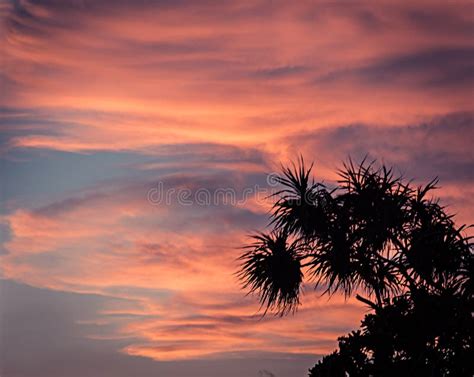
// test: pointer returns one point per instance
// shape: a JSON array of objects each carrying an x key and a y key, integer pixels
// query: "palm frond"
[
  {"x": 302, "y": 203},
  {"x": 271, "y": 267}
]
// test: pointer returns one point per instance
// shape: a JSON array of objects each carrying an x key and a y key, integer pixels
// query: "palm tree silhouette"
[{"x": 384, "y": 240}]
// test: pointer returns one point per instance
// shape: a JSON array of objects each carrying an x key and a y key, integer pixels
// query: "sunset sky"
[{"x": 102, "y": 101}]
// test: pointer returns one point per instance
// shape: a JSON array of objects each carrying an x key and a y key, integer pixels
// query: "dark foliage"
[
  {"x": 379, "y": 234},
  {"x": 271, "y": 267}
]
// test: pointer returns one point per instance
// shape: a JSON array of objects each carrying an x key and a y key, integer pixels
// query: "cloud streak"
[{"x": 187, "y": 72}]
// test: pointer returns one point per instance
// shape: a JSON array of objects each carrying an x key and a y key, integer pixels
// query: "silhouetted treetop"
[
  {"x": 375, "y": 232},
  {"x": 380, "y": 236}
]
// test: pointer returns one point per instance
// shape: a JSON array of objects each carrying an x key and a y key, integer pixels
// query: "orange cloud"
[{"x": 180, "y": 74}]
